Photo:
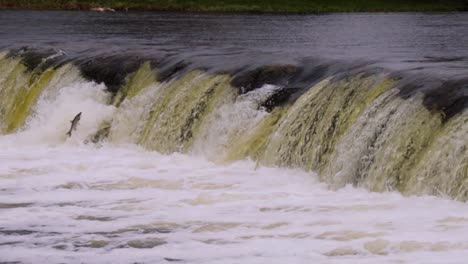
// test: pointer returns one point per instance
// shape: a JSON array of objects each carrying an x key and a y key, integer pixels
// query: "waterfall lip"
[
  {"x": 443, "y": 94},
  {"x": 450, "y": 99},
  {"x": 110, "y": 70},
  {"x": 39, "y": 59}
]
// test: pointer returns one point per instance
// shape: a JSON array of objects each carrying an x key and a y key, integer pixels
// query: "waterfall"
[{"x": 352, "y": 125}]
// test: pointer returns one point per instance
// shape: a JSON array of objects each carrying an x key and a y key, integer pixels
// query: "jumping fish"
[{"x": 74, "y": 124}]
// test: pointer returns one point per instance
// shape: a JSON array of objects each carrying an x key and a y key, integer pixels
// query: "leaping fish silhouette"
[{"x": 74, "y": 124}]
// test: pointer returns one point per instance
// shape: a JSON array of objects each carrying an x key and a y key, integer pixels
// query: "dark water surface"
[{"x": 437, "y": 43}]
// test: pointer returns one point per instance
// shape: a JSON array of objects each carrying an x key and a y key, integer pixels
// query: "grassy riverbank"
[{"x": 293, "y": 6}]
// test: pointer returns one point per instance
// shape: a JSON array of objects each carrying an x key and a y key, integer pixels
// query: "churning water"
[{"x": 233, "y": 138}]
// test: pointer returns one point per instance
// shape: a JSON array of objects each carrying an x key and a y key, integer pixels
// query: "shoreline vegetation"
[{"x": 260, "y": 6}]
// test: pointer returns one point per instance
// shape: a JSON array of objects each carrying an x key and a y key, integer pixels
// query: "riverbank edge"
[{"x": 453, "y": 6}]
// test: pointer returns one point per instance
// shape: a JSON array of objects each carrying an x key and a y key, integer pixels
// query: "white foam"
[
  {"x": 51, "y": 120},
  {"x": 130, "y": 118},
  {"x": 230, "y": 120},
  {"x": 72, "y": 195}
]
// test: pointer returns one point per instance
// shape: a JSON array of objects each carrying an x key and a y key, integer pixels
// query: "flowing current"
[{"x": 206, "y": 150}]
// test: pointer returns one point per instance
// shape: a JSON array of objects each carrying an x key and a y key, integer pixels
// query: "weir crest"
[{"x": 356, "y": 125}]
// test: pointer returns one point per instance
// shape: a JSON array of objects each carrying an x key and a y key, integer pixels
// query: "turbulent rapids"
[{"x": 354, "y": 126}]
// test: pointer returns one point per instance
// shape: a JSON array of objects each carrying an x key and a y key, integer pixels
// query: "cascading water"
[{"x": 355, "y": 129}]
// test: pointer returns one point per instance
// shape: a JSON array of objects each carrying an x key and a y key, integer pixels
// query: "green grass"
[{"x": 293, "y": 6}]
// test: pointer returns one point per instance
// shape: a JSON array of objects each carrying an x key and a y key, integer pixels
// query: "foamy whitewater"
[{"x": 63, "y": 200}]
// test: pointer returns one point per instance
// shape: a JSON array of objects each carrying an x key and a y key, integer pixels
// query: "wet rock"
[
  {"x": 445, "y": 97},
  {"x": 450, "y": 99},
  {"x": 273, "y": 74},
  {"x": 111, "y": 70},
  {"x": 279, "y": 98},
  {"x": 146, "y": 243}
]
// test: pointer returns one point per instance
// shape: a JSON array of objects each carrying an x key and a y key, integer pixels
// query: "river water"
[
  {"x": 400, "y": 40},
  {"x": 132, "y": 199}
]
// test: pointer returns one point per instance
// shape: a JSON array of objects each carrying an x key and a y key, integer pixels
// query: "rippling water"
[
  {"x": 115, "y": 204},
  {"x": 434, "y": 42}
]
